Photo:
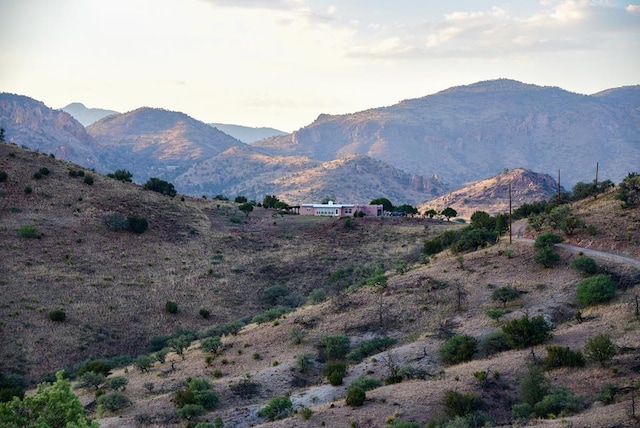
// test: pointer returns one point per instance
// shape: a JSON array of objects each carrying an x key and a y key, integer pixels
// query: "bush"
[
  {"x": 496, "y": 314},
  {"x": 278, "y": 408},
  {"x": 137, "y": 224},
  {"x": 458, "y": 349},
  {"x": 88, "y": 179},
  {"x": 204, "y": 313},
  {"x": 505, "y": 294},
  {"x": 115, "y": 221},
  {"x": 195, "y": 399},
  {"x": 271, "y": 314},
  {"x": 534, "y": 386},
  {"x": 600, "y": 348},
  {"x": 115, "y": 383},
  {"x": 370, "y": 347},
  {"x": 525, "y": 332},
  {"x": 521, "y": 411},
  {"x": 114, "y": 401},
  {"x": 121, "y": 175},
  {"x": 37, "y": 175},
  {"x": 547, "y": 239},
  {"x": 547, "y": 257},
  {"x": 28, "y": 231},
  {"x": 190, "y": 411},
  {"x": 57, "y": 315},
  {"x": 143, "y": 363},
  {"x": 558, "y": 356},
  {"x": 335, "y": 372},
  {"x": 493, "y": 342},
  {"x": 561, "y": 402},
  {"x": 160, "y": 186},
  {"x": 96, "y": 366},
  {"x": 171, "y": 307},
  {"x": 276, "y": 295},
  {"x": 585, "y": 265},
  {"x": 459, "y": 404},
  {"x": 596, "y": 289},
  {"x": 91, "y": 380},
  {"x": 316, "y": 296},
  {"x": 27, "y": 190},
  {"x": 3, "y": 176},
  {"x": 366, "y": 383},
  {"x": 211, "y": 344},
  {"x": 355, "y": 396},
  {"x": 335, "y": 347}
]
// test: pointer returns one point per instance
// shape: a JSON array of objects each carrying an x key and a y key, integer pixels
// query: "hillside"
[
  {"x": 85, "y": 115},
  {"x": 471, "y": 132},
  {"x": 157, "y": 143},
  {"x": 247, "y": 134},
  {"x": 30, "y": 123},
  {"x": 113, "y": 286},
  {"x": 492, "y": 194},
  {"x": 243, "y": 170}
]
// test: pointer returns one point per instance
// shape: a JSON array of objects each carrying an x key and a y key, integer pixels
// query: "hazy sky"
[{"x": 281, "y": 63}]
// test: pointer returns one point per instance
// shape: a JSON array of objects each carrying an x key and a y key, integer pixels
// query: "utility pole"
[
  {"x": 510, "y": 220},
  {"x": 558, "y": 186}
]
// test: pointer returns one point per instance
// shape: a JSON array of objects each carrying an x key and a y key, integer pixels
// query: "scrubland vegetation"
[{"x": 196, "y": 320}]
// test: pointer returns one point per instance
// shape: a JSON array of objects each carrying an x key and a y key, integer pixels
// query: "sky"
[{"x": 281, "y": 63}]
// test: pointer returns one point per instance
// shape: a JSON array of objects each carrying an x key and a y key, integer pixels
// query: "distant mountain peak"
[{"x": 86, "y": 116}]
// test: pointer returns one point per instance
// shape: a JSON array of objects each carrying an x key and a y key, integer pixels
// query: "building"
[{"x": 340, "y": 210}]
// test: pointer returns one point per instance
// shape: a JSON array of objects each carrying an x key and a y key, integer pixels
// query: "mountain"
[
  {"x": 30, "y": 123},
  {"x": 247, "y": 134},
  {"x": 156, "y": 142},
  {"x": 469, "y": 132},
  {"x": 492, "y": 194},
  {"x": 242, "y": 170},
  {"x": 86, "y": 116}
]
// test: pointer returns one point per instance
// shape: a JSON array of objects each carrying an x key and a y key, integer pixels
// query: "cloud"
[
  {"x": 556, "y": 26},
  {"x": 256, "y": 4}
]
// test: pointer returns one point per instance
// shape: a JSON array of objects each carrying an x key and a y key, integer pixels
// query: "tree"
[
  {"x": 2, "y": 137},
  {"x": 336, "y": 347},
  {"x": 386, "y": 203},
  {"x": 430, "y": 213},
  {"x": 482, "y": 220},
  {"x": 270, "y": 201},
  {"x": 246, "y": 208},
  {"x": 54, "y": 405},
  {"x": 240, "y": 199},
  {"x": 525, "y": 332},
  {"x": 160, "y": 186},
  {"x": 546, "y": 255},
  {"x": 505, "y": 294},
  {"x": 449, "y": 212},
  {"x": 596, "y": 289},
  {"x": 534, "y": 386},
  {"x": 629, "y": 190},
  {"x": 458, "y": 349},
  {"x": 409, "y": 209},
  {"x": 600, "y": 348},
  {"x": 121, "y": 175},
  {"x": 355, "y": 396},
  {"x": 143, "y": 363},
  {"x": 278, "y": 408},
  {"x": 585, "y": 265}
]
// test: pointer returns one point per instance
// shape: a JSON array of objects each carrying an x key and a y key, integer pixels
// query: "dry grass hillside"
[{"x": 113, "y": 287}]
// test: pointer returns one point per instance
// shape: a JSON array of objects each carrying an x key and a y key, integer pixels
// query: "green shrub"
[
  {"x": 143, "y": 363},
  {"x": 37, "y": 175},
  {"x": 195, "y": 399},
  {"x": 521, "y": 411},
  {"x": 457, "y": 349},
  {"x": 137, "y": 224},
  {"x": 121, "y": 175},
  {"x": 505, "y": 294},
  {"x": 585, "y": 265},
  {"x": 355, "y": 396},
  {"x": 547, "y": 257},
  {"x": 114, "y": 401},
  {"x": 115, "y": 221},
  {"x": 608, "y": 394},
  {"x": 276, "y": 295},
  {"x": 459, "y": 404},
  {"x": 335, "y": 347},
  {"x": 160, "y": 186},
  {"x": 600, "y": 348},
  {"x": 366, "y": 383},
  {"x": 493, "y": 343},
  {"x": 306, "y": 413},
  {"x": 547, "y": 239},
  {"x": 370, "y": 347},
  {"x": 73, "y": 173},
  {"x": 204, "y": 313},
  {"x": 596, "y": 289},
  {"x": 171, "y": 307},
  {"x": 271, "y": 314},
  {"x": 211, "y": 344},
  {"x": 525, "y": 332},
  {"x": 561, "y": 402},
  {"x": 190, "y": 411},
  {"x": 91, "y": 380},
  {"x": 297, "y": 335},
  {"x": 558, "y": 356},
  {"x": 88, "y": 179},
  {"x": 316, "y": 296},
  {"x": 57, "y": 315},
  {"x": 44, "y": 170},
  {"x": 27, "y": 190},
  {"x": 534, "y": 386},
  {"x": 3, "y": 176},
  {"x": 28, "y": 231},
  {"x": 304, "y": 362},
  {"x": 335, "y": 372},
  {"x": 277, "y": 408},
  {"x": 96, "y": 366},
  {"x": 496, "y": 314},
  {"x": 116, "y": 383}
]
